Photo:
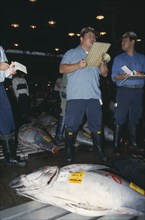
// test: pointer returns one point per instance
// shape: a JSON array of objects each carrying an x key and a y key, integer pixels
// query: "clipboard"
[
  {"x": 97, "y": 49},
  {"x": 19, "y": 66}
]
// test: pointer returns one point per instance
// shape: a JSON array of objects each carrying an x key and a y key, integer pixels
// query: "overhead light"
[
  {"x": 71, "y": 34},
  {"x": 15, "y": 25},
  {"x": 100, "y": 17},
  {"x": 16, "y": 44},
  {"x": 56, "y": 49},
  {"x": 51, "y": 22},
  {"x": 138, "y": 40},
  {"x": 32, "y": 0},
  {"x": 78, "y": 35},
  {"x": 33, "y": 26},
  {"x": 102, "y": 33}
]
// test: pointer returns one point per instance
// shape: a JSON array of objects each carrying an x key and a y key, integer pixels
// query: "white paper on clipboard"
[
  {"x": 132, "y": 74},
  {"x": 19, "y": 66},
  {"x": 127, "y": 70},
  {"x": 93, "y": 57}
]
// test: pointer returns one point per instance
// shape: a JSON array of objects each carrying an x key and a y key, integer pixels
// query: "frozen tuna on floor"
[
  {"x": 34, "y": 136},
  {"x": 83, "y": 137},
  {"x": 85, "y": 189}
]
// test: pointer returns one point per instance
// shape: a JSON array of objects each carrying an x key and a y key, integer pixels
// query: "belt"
[{"x": 134, "y": 87}]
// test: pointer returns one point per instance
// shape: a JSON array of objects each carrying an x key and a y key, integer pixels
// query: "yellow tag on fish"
[
  {"x": 47, "y": 138},
  {"x": 137, "y": 188},
  {"x": 76, "y": 177},
  {"x": 87, "y": 135}
]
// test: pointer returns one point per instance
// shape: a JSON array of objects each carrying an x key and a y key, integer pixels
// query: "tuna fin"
[
  {"x": 88, "y": 211},
  {"x": 98, "y": 211}
]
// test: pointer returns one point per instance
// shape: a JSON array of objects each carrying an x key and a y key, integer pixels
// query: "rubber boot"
[
  {"x": 117, "y": 139},
  {"x": 9, "y": 151},
  {"x": 69, "y": 147},
  {"x": 133, "y": 136},
  {"x": 97, "y": 142},
  {"x": 60, "y": 130}
]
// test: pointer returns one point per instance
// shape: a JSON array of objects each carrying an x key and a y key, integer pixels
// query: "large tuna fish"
[
  {"x": 83, "y": 137},
  {"x": 91, "y": 190},
  {"x": 46, "y": 120},
  {"x": 35, "y": 137}
]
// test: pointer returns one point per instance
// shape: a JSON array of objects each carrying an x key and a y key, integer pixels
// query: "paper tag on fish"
[
  {"x": 63, "y": 176},
  {"x": 47, "y": 138},
  {"x": 76, "y": 177}
]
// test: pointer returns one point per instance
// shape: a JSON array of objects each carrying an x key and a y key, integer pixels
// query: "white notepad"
[{"x": 19, "y": 66}]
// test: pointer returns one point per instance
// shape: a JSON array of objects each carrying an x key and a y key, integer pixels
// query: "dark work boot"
[
  {"x": 69, "y": 147},
  {"x": 117, "y": 139},
  {"x": 97, "y": 142},
  {"x": 9, "y": 151},
  {"x": 133, "y": 136},
  {"x": 59, "y": 136}
]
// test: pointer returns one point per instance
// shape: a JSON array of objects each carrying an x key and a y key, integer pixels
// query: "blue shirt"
[
  {"x": 4, "y": 74},
  {"x": 2, "y": 59},
  {"x": 135, "y": 62},
  {"x": 82, "y": 83}
]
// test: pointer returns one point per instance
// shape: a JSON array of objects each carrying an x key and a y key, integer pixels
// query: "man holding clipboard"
[{"x": 83, "y": 94}]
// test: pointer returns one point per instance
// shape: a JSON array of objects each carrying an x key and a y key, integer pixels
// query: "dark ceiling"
[{"x": 70, "y": 16}]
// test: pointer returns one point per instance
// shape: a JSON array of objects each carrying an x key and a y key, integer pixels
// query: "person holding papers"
[
  {"x": 128, "y": 71},
  {"x": 83, "y": 94},
  {"x": 7, "y": 125}
]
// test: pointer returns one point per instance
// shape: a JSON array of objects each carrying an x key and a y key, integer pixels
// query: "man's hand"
[
  {"x": 82, "y": 64},
  {"x": 12, "y": 69},
  {"x": 137, "y": 73},
  {"x": 4, "y": 66}
]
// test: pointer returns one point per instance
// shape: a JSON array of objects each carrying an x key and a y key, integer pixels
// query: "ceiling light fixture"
[
  {"x": 33, "y": 26},
  {"x": 56, "y": 49},
  {"x": 102, "y": 33},
  {"x": 16, "y": 44},
  {"x": 32, "y": 0},
  {"x": 14, "y": 25},
  {"x": 51, "y": 22},
  {"x": 100, "y": 17},
  {"x": 71, "y": 34}
]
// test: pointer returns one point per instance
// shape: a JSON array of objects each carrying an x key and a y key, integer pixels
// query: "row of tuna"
[{"x": 40, "y": 133}]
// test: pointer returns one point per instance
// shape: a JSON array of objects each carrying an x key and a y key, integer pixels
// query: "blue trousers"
[
  {"x": 129, "y": 105},
  {"x": 7, "y": 125},
  {"x": 76, "y": 110}
]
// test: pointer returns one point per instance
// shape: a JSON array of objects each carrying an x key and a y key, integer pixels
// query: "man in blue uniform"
[
  {"x": 7, "y": 125},
  {"x": 130, "y": 89},
  {"x": 83, "y": 94}
]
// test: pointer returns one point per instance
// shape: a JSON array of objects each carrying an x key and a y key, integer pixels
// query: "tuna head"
[{"x": 36, "y": 180}]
